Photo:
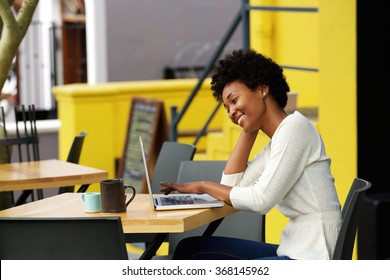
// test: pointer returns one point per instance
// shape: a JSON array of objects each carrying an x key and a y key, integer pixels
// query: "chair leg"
[
  {"x": 40, "y": 194},
  {"x": 69, "y": 189}
]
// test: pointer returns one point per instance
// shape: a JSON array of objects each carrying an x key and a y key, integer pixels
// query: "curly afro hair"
[{"x": 253, "y": 70}]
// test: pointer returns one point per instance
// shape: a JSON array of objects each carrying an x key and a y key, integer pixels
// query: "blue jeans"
[{"x": 225, "y": 248}]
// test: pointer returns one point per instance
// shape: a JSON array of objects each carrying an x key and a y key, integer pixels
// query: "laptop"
[{"x": 177, "y": 201}]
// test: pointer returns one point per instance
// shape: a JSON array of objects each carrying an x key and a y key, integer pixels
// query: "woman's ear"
[{"x": 264, "y": 90}]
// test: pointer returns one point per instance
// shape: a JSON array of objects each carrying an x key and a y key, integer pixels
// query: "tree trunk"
[
  {"x": 13, "y": 27},
  {"x": 5, "y": 197}
]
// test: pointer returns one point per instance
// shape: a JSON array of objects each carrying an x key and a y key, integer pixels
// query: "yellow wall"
[
  {"x": 338, "y": 90},
  {"x": 291, "y": 39}
]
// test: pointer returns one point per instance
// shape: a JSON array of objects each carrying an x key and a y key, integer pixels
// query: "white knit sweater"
[{"x": 292, "y": 173}]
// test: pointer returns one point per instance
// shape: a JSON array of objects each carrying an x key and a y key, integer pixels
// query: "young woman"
[{"x": 292, "y": 173}]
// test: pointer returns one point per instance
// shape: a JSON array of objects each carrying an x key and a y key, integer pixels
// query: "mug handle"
[{"x": 132, "y": 197}]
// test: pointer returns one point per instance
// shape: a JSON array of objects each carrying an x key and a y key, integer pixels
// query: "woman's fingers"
[{"x": 167, "y": 187}]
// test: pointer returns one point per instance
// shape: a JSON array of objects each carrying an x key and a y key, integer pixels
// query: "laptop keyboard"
[{"x": 177, "y": 200}]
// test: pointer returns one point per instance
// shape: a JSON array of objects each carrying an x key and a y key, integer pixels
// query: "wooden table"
[
  {"x": 140, "y": 218},
  {"x": 47, "y": 174}
]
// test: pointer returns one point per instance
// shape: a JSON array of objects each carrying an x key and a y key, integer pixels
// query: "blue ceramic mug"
[{"x": 91, "y": 201}]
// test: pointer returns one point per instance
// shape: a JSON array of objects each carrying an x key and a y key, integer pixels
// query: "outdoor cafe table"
[
  {"x": 140, "y": 218},
  {"x": 47, "y": 174}
]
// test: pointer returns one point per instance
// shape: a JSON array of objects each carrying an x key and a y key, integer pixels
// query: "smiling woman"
[{"x": 291, "y": 173}]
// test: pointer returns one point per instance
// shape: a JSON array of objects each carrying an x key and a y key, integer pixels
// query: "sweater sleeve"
[
  {"x": 293, "y": 146},
  {"x": 252, "y": 172}
]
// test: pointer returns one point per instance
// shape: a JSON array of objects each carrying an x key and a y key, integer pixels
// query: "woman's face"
[{"x": 244, "y": 106}]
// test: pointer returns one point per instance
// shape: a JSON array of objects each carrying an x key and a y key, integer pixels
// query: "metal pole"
[
  {"x": 245, "y": 24},
  {"x": 176, "y": 118}
]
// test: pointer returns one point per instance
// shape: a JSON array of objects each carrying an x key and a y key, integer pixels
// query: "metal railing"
[{"x": 241, "y": 16}]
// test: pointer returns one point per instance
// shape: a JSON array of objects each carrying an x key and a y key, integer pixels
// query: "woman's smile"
[{"x": 240, "y": 119}]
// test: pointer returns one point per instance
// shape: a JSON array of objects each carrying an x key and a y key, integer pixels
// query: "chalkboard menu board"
[{"x": 147, "y": 119}]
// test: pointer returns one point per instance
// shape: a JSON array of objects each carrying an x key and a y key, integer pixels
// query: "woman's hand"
[{"x": 191, "y": 187}]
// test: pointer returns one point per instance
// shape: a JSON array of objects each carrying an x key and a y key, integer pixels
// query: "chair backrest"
[
  {"x": 74, "y": 156},
  {"x": 195, "y": 170},
  {"x": 86, "y": 238},
  {"x": 168, "y": 162},
  {"x": 75, "y": 149},
  {"x": 25, "y": 143},
  {"x": 247, "y": 225},
  {"x": 26, "y": 139},
  {"x": 350, "y": 214}
]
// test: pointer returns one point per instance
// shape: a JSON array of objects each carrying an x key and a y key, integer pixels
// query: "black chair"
[
  {"x": 350, "y": 215},
  {"x": 26, "y": 142},
  {"x": 74, "y": 157},
  {"x": 86, "y": 238},
  {"x": 168, "y": 162}
]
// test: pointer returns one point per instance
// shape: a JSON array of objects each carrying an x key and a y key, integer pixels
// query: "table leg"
[
  {"x": 40, "y": 193},
  {"x": 83, "y": 188},
  {"x": 159, "y": 238},
  {"x": 153, "y": 246},
  {"x": 212, "y": 227},
  {"x": 23, "y": 197}
]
